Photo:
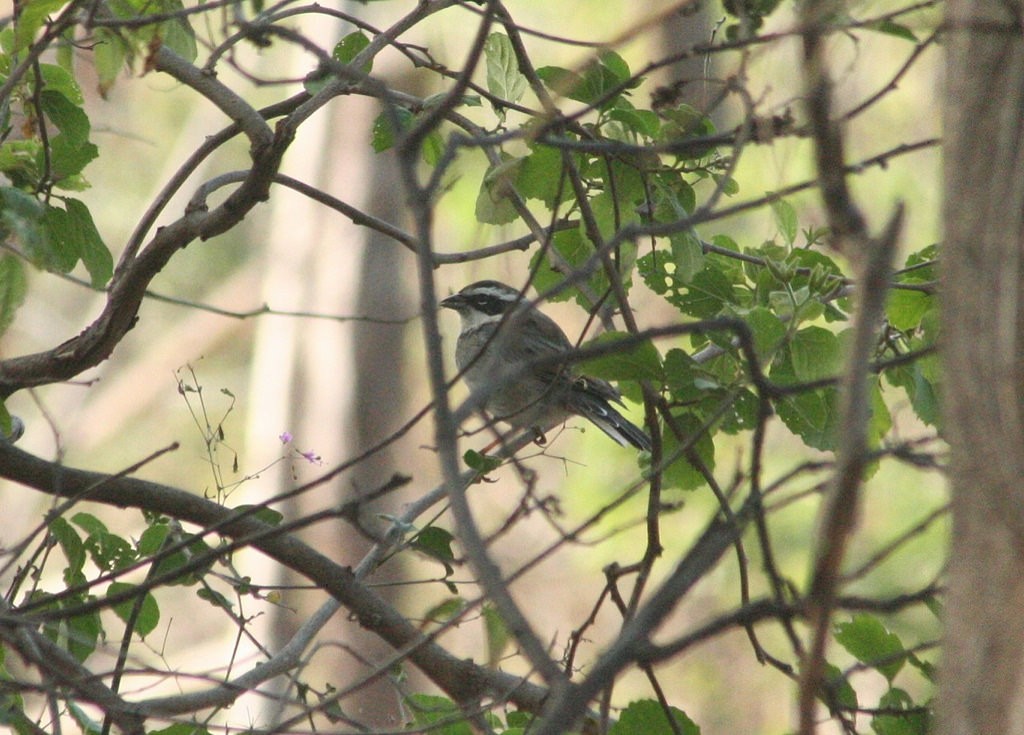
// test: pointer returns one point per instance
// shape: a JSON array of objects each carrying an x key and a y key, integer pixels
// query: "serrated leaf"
[
  {"x": 867, "y": 640},
  {"x": 149, "y": 612},
  {"x": 648, "y": 717},
  {"x": 13, "y": 287},
  {"x": 504, "y": 79}
]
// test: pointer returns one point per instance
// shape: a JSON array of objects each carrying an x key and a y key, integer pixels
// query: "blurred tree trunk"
[{"x": 982, "y": 687}]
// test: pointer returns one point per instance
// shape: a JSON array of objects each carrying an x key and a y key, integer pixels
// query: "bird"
[{"x": 507, "y": 350}]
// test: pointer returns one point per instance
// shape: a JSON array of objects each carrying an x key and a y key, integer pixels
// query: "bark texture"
[{"x": 982, "y": 688}]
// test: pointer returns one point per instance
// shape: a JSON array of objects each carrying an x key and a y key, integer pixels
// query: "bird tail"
[{"x": 600, "y": 413}]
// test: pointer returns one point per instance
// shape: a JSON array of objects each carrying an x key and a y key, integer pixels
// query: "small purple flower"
[
  {"x": 312, "y": 457},
  {"x": 285, "y": 437}
]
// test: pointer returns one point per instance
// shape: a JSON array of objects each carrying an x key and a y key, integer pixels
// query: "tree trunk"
[{"x": 982, "y": 688}]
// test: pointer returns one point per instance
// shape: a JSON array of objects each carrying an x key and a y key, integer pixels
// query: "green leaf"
[
  {"x": 905, "y": 308},
  {"x": 384, "y": 133},
  {"x": 13, "y": 287},
  {"x": 445, "y": 611},
  {"x": 177, "y": 34},
  {"x": 149, "y": 614},
  {"x": 504, "y": 79},
  {"x": 21, "y": 216},
  {"x": 681, "y": 473},
  {"x": 437, "y": 544},
  {"x": 642, "y": 122},
  {"x": 891, "y": 28},
  {"x": 59, "y": 80},
  {"x": 152, "y": 539},
  {"x": 681, "y": 376},
  {"x": 494, "y": 203},
  {"x": 881, "y": 419},
  {"x": 615, "y": 64},
  {"x": 72, "y": 546},
  {"x": 6, "y": 423},
  {"x": 708, "y": 292},
  {"x": 687, "y": 256},
  {"x": 867, "y": 640},
  {"x": 482, "y": 463},
  {"x": 540, "y": 175},
  {"x": 844, "y": 694},
  {"x": 648, "y": 717},
  {"x": 816, "y": 354},
  {"x": 109, "y": 56},
  {"x": 267, "y": 515},
  {"x": 428, "y": 709},
  {"x": 496, "y": 633},
  {"x": 89, "y": 523},
  {"x": 638, "y": 361},
  {"x": 83, "y": 632},
  {"x": 813, "y": 416},
  {"x": 349, "y": 47},
  {"x": 785, "y": 219},
  {"x": 558, "y": 80},
  {"x": 94, "y": 253},
  {"x": 912, "y": 723},
  {"x": 169, "y": 563},
  {"x": 181, "y": 728},
  {"x": 31, "y": 17},
  {"x": 215, "y": 598},
  {"x": 920, "y": 390},
  {"x": 768, "y": 332}
]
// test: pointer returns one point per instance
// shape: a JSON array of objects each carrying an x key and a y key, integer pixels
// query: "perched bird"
[{"x": 506, "y": 349}]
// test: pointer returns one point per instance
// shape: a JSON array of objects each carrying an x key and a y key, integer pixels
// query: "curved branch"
[{"x": 463, "y": 680}]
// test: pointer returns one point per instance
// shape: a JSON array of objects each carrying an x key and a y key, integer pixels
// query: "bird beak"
[{"x": 453, "y": 302}]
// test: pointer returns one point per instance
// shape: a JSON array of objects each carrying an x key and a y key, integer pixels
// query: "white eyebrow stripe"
[{"x": 498, "y": 293}]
